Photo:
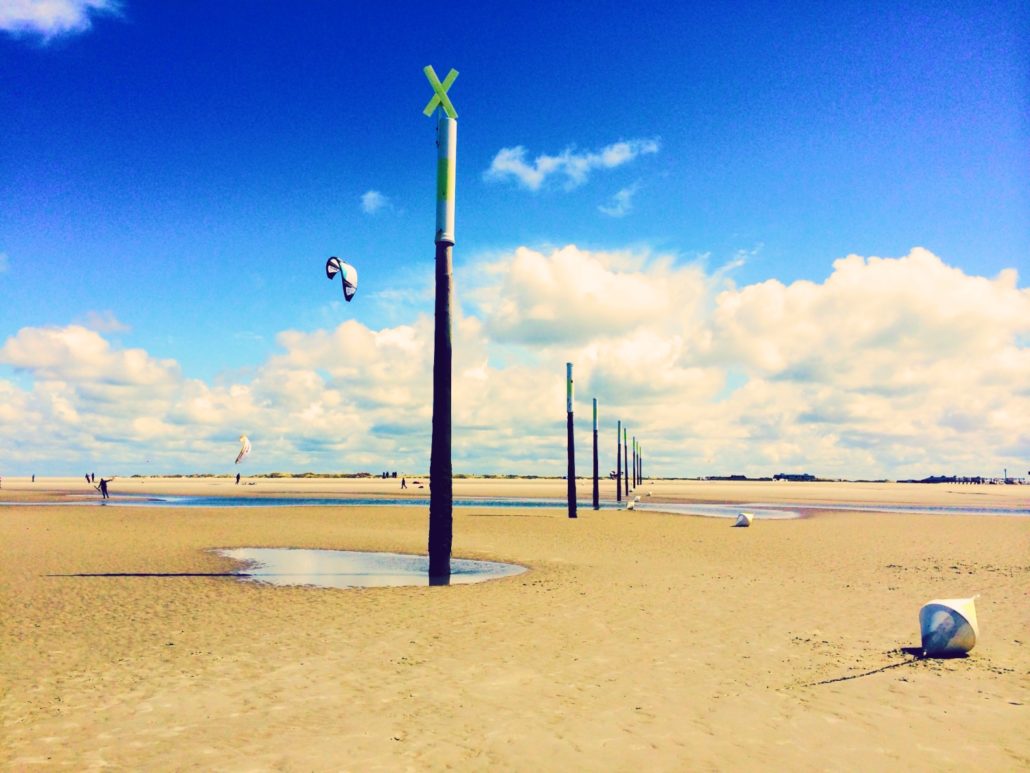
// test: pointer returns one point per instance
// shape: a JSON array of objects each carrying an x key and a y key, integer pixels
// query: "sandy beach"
[{"x": 636, "y": 639}]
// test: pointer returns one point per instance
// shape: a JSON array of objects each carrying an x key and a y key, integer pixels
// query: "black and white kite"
[{"x": 350, "y": 275}]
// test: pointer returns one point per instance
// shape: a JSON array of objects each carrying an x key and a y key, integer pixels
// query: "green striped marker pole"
[
  {"x": 618, "y": 461},
  {"x": 441, "y": 490},
  {"x": 625, "y": 457},
  {"x": 597, "y": 491},
  {"x": 572, "y": 440}
]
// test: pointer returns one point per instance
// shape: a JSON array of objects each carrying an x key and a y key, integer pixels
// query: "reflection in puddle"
[{"x": 353, "y": 569}]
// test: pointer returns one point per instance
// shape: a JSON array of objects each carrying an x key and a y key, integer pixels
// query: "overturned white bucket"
[
  {"x": 744, "y": 519},
  {"x": 948, "y": 627}
]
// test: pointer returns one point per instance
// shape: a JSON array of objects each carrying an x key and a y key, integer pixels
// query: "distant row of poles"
[{"x": 627, "y": 474}]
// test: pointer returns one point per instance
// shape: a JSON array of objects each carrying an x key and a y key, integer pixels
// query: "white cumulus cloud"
[
  {"x": 575, "y": 167},
  {"x": 890, "y": 367},
  {"x": 620, "y": 204},
  {"x": 574, "y": 295},
  {"x": 373, "y": 201},
  {"x": 50, "y": 18}
]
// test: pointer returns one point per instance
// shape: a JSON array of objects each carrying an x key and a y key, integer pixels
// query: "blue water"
[
  {"x": 354, "y": 569},
  {"x": 784, "y": 510},
  {"x": 161, "y": 500},
  {"x": 763, "y": 511}
]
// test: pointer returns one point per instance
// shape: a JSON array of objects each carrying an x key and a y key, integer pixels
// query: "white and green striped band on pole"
[
  {"x": 568, "y": 387},
  {"x": 447, "y": 149}
]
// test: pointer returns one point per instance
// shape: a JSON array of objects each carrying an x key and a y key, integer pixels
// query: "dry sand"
[{"x": 635, "y": 640}]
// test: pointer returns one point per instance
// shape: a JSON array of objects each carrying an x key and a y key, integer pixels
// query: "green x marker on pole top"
[{"x": 440, "y": 98}]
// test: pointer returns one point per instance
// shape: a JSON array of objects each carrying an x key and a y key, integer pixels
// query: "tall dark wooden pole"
[
  {"x": 571, "y": 475},
  {"x": 441, "y": 496},
  {"x": 441, "y": 493},
  {"x": 625, "y": 457},
  {"x": 618, "y": 461},
  {"x": 597, "y": 490},
  {"x": 635, "y": 481}
]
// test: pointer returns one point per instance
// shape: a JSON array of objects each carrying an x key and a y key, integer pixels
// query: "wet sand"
[{"x": 636, "y": 638}]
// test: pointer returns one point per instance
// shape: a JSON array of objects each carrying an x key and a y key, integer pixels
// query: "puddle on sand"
[{"x": 353, "y": 569}]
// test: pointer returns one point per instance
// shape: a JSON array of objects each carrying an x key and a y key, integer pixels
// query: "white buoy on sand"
[
  {"x": 744, "y": 519},
  {"x": 948, "y": 627}
]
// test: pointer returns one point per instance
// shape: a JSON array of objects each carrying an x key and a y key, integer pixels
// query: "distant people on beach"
[
  {"x": 237, "y": 479},
  {"x": 92, "y": 477},
  {"x": 87, "y": 478},
  {"x": 33, "y": 478},
  {"x": 103, "y": 488},
  {"x": 404, "y": 483}
]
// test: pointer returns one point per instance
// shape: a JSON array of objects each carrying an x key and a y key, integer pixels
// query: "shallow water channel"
[
  {"x": 760, "y": 510},
  {"x": 354, "y": 569}
]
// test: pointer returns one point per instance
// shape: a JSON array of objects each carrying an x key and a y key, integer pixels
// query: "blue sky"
[{"x": 173, "y": 176}]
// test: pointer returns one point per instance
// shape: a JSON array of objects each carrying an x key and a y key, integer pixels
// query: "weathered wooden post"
[
  {"x": 634, "y": 462},
  {"x": 597, "y": 490},
  {"x": 441, "y": 493},
  {"x": 572, "y": 441},
  {"x": 625, "y": 457},
  {"x": 618, "y": 461}
]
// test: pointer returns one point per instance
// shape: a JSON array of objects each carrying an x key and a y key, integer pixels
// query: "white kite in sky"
[
  {"x": 334, "y": 266},
  {"x": 244, "y": 449}
]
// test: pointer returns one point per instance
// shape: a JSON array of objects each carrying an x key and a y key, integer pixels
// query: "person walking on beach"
[
  {"x": 92, "y": 477},
  {"x": 87, "y": 478},
  {"x": 404, "y": 483},
  {"x": 103, "y": 488},
  {"x": 237, "y": 479}
]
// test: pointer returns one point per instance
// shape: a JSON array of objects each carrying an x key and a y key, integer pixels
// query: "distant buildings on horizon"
[{"x": 807, "y": 477}]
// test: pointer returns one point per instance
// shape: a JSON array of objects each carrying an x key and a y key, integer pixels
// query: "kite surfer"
[{"x": 103, "y": 487}]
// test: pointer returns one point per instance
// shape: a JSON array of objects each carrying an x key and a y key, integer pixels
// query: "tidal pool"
[{"x": 354, "y": 569}]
